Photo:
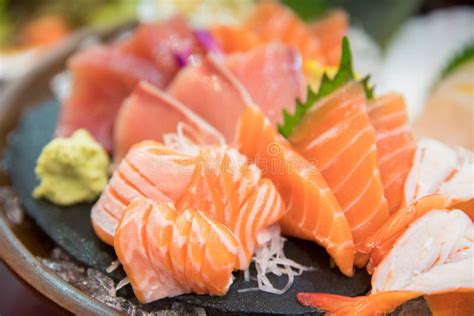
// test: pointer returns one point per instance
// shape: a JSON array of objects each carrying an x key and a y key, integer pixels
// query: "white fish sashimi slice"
[
  {"x": 433, "y": 163},
  {"x": 461, "y": 184},
  {"x": 427, "y": 256},
  {"x": 438, "y": 168}
]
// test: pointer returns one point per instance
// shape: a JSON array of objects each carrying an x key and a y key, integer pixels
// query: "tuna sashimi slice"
[
  {"x": 313, "y": 212},
  {"x": 149, "y": 113},
  {"x": 209, "y": 90},
  {"x": 219, "y": 90},
  {"x": 395, "y": 145},
  {"x": 231, "y": 191},
  {"x": 102, "y": 78},
  {"x": 273, "y": 76},
  {"x": 149, "y": 170},
  {"x": 338, "y": 137},
  {"x": 166, "y": 254},
  {"x": 160, "y": 44}
]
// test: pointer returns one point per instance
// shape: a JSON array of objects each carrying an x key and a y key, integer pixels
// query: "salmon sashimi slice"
[
  {"x": 337, "y": 136},
  {"x": 432, "y": 257},
  {"x": 233, "y": 39},
  {"x": 102, "y": 78},
  {"x": 149, "y": 170},
  {"x": 149, "y": 113},
  {"x": 459, "y": 302},
  {"x": 395, "y": 145},
  {"x": 161, "y": 43},
  {"x": 167, "y": 254},
  {"x": 231, "y": 191},
  {"x": 330, "y": 30},
  {"x": 438, "y": 168},
  {"x": 312, "y": 210},
  {"x": 212, "y": 92},
  {"x": 338, "y": 305},
  {"x": 273, "y": 76},
  {"x": 275, "y": 22}
]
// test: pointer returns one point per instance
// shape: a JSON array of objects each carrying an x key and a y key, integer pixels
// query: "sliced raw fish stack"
[
  {"x": 218, "y": 181},
  {"x": 232, "y": 191},
  {"x": 166, "y": 253},
  {"x": 395, "y": 145},
  {"x": 433, "y": 257},
  {"x": 338, "y": 137},
  {"x": 273, "y": 22},
  {"x": 149, "y": 113},
  {"x": 149, "y": 170},
  {"x": 104, "y": 76},
  {"x": 219, "y": 90},
  {"x": 312, "y": 210}
]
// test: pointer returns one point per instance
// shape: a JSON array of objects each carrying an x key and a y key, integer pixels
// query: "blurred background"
[
  {"x": 404, "y": 44},
  {"x": 421, "y": 48}
]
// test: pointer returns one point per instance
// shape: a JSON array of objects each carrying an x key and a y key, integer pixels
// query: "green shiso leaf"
[
  {"x": 344, "y": 74},
  {"x": 464, "y": 55}
]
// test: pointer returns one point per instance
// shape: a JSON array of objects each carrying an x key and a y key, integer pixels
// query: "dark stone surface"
[{"x": 70, "y": 228}]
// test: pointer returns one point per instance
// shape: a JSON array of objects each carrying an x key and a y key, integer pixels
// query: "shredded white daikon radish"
[
  {"x": 270, "y": 258},
  {"x": 179, "y": 141},
  {"x": 113, "y": 266},
  {"x": 122, "y": 283}
]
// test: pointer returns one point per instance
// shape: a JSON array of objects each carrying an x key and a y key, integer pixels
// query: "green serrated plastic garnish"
[{"x": 327, "y": 86}]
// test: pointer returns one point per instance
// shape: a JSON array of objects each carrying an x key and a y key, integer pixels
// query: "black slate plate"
[{"x": 70, "y": 228}]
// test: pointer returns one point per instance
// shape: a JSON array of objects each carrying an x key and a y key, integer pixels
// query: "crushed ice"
[{"x": 103, "y": 288}]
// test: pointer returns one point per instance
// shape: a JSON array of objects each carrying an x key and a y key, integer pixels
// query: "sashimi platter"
[{"x": 247, "y": 168}]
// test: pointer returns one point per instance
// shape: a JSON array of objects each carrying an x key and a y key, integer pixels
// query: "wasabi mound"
[{"x": 72, "y": 170}]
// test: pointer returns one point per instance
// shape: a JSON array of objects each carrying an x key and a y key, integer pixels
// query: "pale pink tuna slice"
[
  {"x": 102, "y": 78},
  {"x": 219, "y": 90},
  {"x": 149, "y": 113},
  {"x": 161, "y": 43},
  {"x": 273, "y": 76},
  {"x": 211, "y": 91}
]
